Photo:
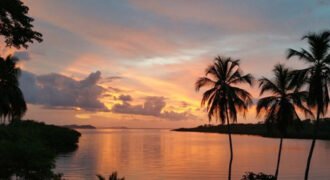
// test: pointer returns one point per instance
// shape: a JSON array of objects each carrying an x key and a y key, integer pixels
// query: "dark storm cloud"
[
  {"x": 125, "y": 98},
  {"x": 114, "y": 89},
  {"x": 177, "y": 116},
  {"x": 152, "y": 106},
  {"x": 59, "y": 91},
  {"x": 111, "y": 78},
  {"x": 22, "y": 55}
]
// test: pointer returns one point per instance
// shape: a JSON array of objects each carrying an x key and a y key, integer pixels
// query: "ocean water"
[{"x": 163, "y": 154}]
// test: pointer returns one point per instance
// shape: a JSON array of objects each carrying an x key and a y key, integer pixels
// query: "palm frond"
[
  {"x": 222, "y": 98},
  {"x": 280, "y": 109},
  {"x": 233, "y": 68},
  {"x": 298, "y": 78},
  {"x": 318, "y": 44},
  {"x": 265, "y": 104},
  {"x": 100, "y": 177},
  {"x": 213, "y": 72},
  {"x": 243, "y": 95},
  {"x": 299, "y": 100},
  {"x": 267, "y": 85},
  {"x": 203, "y": 81},
  {"x": 248, "y": 78},
  {"x": 208, "y": 96},
  {"x": 303, "y": 55}
]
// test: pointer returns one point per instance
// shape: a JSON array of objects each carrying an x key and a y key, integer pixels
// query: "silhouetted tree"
[
  {"x": 12, "y": 103},
  {"x": 316, "y": 76},
  {"x": 113, "y": 176},
  {"x": 259, "y": 176},
  {"x": 15, "y": 24},
  {"x": 223, "y": 100},
  {"x": 279, "y": 108},
  {"x": 28, "y": 149}
]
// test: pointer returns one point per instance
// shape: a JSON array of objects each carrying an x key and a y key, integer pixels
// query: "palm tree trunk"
[
  {"x": 231, "y": 147},
  {"x": 279, "y": 158},
  {"x": 316, "y": 126}
]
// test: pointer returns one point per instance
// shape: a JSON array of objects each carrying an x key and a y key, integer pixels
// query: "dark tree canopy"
[
  {"x": 317, "y": 74},
  {"x": 15, "y": 24},
  {"x": 280, "y": 107},
  {"x": 223, "y": 99},
  {"x": 223, "y": 96},
  {"x": 12, "y": 103}
]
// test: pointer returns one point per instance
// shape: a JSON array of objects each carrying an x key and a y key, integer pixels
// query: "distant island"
[
  {"x": 303, "y": 130},
  {"x": 115, "y": 127},
  {"x": 75, "y": 126}
]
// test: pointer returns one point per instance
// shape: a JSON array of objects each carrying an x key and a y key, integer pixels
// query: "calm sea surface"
[{"x": 163, "y": 154}]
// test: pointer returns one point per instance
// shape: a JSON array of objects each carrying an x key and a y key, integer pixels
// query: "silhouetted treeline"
[
  {"x": 259, "y": 176},
  {"x": 303, "y": 130},
  {"x": 28, "y": 149},
  {"x": 113, "y": 176},
  {"x": 75, "y": 126}
]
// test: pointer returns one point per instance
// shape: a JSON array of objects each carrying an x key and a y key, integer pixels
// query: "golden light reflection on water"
[{"x": 162, "y": 154}]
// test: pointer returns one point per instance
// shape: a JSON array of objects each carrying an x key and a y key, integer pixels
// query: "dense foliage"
[
  {"x": 28, "y": 149},
  {"x": 15, "y": 24},
  {"x": 302, "y": 130},
  {"x": 259, "y": 176},
  {"x": 316, "y": 76},
  {"x": 224, "y": 99},
  {"x": 279, "y": 109},
  {"x": 113, "y": 176},
  {"x": 12, "y": 103}
]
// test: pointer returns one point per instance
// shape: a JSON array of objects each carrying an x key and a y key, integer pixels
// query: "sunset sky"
[{"x": 134, "y": 62}]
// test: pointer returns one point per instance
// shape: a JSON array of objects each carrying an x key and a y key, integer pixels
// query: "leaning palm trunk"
[
  {"x": 316, "y": 127},
  {"x": 280, "y": 108},
  {"x": 316, "y": 76},
  {"x": 231, "y": 148},
  {"x": 279, "y": 158}
]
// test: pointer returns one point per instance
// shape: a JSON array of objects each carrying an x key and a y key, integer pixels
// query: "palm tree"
[
  {"x": 279, "y": 108},
  {"x": 316, "y": 76},
  {"x": 12, "y": 103},
  {"x": 223, "y": 100}
]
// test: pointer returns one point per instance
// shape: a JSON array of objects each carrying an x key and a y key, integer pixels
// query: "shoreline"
[
  {"x": 29, "y": 149},
  {"x": 303, "y": 132}
]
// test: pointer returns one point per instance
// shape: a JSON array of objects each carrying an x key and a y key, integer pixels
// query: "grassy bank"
[
  {"x": 303, "y": 130},
  {"x": 28, "y": 149}
]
